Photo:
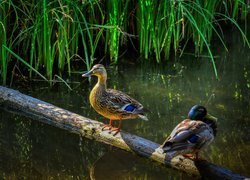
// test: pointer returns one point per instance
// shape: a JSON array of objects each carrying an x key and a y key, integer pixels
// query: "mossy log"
[{"x": 16, "y": 102}]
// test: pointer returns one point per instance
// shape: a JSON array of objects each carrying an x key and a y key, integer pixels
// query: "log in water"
[{"x": 16, "y": 102}]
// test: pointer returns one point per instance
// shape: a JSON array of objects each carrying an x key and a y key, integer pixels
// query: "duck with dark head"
[
  {"x": 192, "y": 134},
  {"x": 110, "y": 103}
]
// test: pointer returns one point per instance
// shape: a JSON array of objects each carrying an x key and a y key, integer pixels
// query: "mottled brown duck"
[{"x": 112, "y": 104}]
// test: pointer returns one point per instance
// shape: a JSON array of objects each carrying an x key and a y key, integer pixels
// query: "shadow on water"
[
  {"x": 118, "y": 164},
  {"x": 31, "y": 149}
]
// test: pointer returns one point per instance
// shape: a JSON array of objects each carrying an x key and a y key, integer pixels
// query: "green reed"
[
  {"x": 3, "y": 55},
  {"x": 166, "y": 24},
  {"x": 116, "y": 21},
  {"x": 51, "y": 35},
  {"x": 48, "y": 34}
]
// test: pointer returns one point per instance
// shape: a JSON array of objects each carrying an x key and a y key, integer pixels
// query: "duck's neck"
[
  {"x": 101, "y": 84},
  {"x": 98, "y": 91}
]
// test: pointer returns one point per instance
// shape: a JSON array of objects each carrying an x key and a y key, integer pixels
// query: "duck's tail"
[
  {"x": 143, "y": 117},
  {"x": 141, "y": 111}
]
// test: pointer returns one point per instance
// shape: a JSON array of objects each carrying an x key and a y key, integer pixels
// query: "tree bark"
[{"x": 16, "y": 102}]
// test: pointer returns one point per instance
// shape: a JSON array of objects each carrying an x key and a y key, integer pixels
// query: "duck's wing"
[
  {"x": 188, "y": 134},
  {"x": 124, "y": 102}
]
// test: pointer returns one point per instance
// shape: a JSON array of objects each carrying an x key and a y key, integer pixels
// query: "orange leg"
[
  {"x": 195, "y": 156},
  {"x": 117, "y": 130},
  {"x": 188, "y": 155},
  {"x": 109, "y": 126}
]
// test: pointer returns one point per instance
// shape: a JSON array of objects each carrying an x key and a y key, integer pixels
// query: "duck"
[
  {"x": 191, "y": 135},
  {"x": 112, "y": 104}
]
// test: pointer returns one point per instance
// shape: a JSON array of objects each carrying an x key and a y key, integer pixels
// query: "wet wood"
[{"x": 16, "y": 102}]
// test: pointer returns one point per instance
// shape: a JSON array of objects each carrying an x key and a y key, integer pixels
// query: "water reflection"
[{"x": 33, "y": 150}]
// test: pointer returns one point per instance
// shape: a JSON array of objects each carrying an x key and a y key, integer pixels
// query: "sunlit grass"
[
  {"x": 166, "y": 24},
  {"x": 49, "y": 34}
]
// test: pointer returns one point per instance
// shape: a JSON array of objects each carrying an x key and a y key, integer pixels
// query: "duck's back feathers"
[
  {"x": 188, "y": 136},
  {"x": 121, "y": 98}
]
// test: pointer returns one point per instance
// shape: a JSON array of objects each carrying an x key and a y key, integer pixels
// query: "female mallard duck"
[
  {"x": 192, "y": 134},
  {"x": 110, "y": 103}
]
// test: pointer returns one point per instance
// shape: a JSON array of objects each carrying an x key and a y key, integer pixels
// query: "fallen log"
[{"x": 16, "y": 102}]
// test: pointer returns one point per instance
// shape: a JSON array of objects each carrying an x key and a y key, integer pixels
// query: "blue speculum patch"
[
  {"x": 193, "y": 139},
  {"x": 129, "y": 108}
]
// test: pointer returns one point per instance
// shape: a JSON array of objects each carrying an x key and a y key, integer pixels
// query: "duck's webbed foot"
[
  {"x": 107, "y": 126},
  {"x": 116, "y": 130}
]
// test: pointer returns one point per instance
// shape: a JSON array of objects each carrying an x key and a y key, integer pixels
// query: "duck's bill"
[
  {"x": 88, "y": 74},
  {"x": 209, "y": 116}
]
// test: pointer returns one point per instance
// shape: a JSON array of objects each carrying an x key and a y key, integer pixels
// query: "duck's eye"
[{"x": 97, "y": 69}]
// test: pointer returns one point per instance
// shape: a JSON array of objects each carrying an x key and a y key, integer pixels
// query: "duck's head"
[
  {"x": 97, "y": 70},
  {"x": 199, "y": 112}
]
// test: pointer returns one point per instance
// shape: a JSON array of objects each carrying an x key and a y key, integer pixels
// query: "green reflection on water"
[{"x": 31, "y": 149}]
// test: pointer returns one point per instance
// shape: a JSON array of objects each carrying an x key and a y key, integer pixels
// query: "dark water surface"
[{"x": 30, "y": 149}]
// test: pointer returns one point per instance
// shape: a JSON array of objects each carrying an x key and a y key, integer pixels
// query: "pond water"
[{"x": 30, "y": 149}]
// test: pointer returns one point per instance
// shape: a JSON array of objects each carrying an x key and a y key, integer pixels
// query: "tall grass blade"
[{"x": 24, "y": 62}]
